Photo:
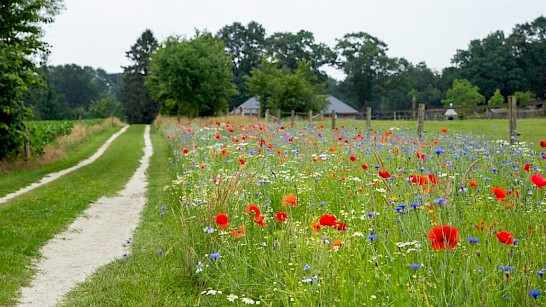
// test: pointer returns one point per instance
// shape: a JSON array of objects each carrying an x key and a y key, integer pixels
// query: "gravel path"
[
  {"x": 97, "y": 237},
  {"x": 54, "y": 176}
]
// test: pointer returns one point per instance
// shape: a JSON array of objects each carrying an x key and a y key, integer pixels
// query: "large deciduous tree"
[
  {"x": 490, "y": 64},
  {"x": 140, "y": 107},
  {"x": 192, "y": 77},
  {"x": 246, "y": 46},
  {"x": 463, "y": 93},
  {"x": 528, "y": 43},
  {"x": 20, "y": 45},
  {"x": 286, "y": 90},
  {"x": 367, "y": 66}
]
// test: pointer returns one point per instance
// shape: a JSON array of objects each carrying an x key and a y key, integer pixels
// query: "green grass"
[
  {"x": 145, "y": 278},
  {"x": 30, "y": 220},
  {"x": 15, "y": 180}
]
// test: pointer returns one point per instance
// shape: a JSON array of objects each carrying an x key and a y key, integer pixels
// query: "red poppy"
[
  {"x": 433, "y": 178},
  {"x": 384, "y": 174},
  {"x": 217, "y": 136},
  {"x": 364, "y": 166},
  {"x": 442, "y": 237},
  {"x": 526, "y": 167},
  {"x": 337, "y": 244},
  {"x": 418, "y": 179},
  {"x": 290, "y": 200},
  {"x": 500, "y": 193},
  {"x": 327, "y": 220},
  {"x": 444, "y": 130},
  {"x": 281, "y": 216},
  {"x": 505, "y": 237},
  {"x": 237, "y": 233},
  {"x": 242, "y": 161},
  {"x": 252, "y": 208},
  {"x": 315, "y": 226},
  {"x": 420, "y": 155},
  {"x": 222, "y": 220},
  {"x": 538, "y": 180},
  {"x": 185, "y": 151},
  {"x": 352, "y": 158},
  {"x": 543, "y": 143},
  {"x": 340, "y": 226},
  {"x": 259, "y": 220},
  {"x": 473, "y": 184}
]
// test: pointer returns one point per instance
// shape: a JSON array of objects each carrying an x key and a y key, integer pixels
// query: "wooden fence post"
[
  {"x": 278, "y": 116},
  {"x": 321, "y": 115},
  {"x": 241, "y": 111},
  {"x": 310, "y": 117},
  {"x": 512, "y": 117},
  {"x": 259, "y": 112},
  {"x": 27, "y": 144},
  {"x": 267, "y": 116},
  {"x": 292, "y": 117},
  {"x": 368, "y": 119},
  {"x": 333, "y": 119},
  {"x": 420, "y": 119},
  {"x": 413, "y": 105}
]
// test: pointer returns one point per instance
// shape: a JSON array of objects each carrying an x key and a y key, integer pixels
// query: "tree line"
[{"x": 208, "y": 73}]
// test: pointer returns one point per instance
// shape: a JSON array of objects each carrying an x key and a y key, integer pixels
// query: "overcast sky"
[{"x": 98, "y": 33}]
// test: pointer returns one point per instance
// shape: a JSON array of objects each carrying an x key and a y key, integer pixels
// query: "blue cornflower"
[
  {"x": 440, "y": 201},
  {"x": 540, "y": 273},
  {"x": 125, "y": 255},
  {"x": 372, "y": 237},
  {"x": 160, "y": 252},
  {"x": 163, "y": 207},
  {"x": 438, "y": 151},
  {"x": 128, "y": 241},
  {"x": 472, "y": 240},
  {"x": 162, "y": 214},
  {"x": 208, "y": 229},
  {"x": 370, "y": 214},
  {"x": 506, "y": 268},
  {"x": 415, "y": 266},
  {"x": 306, "y": 267},
  {"x": 534, "y": 293},
  {"x": 415, "y": 205},
  {"x": 215, "y": 256}
]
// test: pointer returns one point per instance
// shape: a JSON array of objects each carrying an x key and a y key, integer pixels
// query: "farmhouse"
[{"x": 250, "y": 107}]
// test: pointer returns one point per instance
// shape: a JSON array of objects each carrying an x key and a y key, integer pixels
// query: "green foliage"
[
  {"x": 20, "y": 46},
  {"x": 246, "y": 46},
  {"x": 524, "y": 96},
  {"x": 367, "y": 67},
  {"x": 497, "y": 98},
  {"x": 191, "y": 77},
  {"x": 280, "y": 88},
  {"x": 463, "y": 93},
  {"x": 140, "y": 108},
  {"x": 106, "y": 107}
]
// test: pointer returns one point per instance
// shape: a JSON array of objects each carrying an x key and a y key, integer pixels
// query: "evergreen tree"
[{"x": 140, "y": 107}]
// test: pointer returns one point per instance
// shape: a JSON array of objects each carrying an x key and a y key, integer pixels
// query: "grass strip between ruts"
[
  {"x": 15, "y": 180},
  {"x": 30, "y": 220},
  {"x": 152, "y": 274}
]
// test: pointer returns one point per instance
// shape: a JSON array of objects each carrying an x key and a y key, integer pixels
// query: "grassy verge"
[
  {"x": 152, "y": 274},
  {"x": 15, "y": 180},
  {"x": 28, "y": 221}
]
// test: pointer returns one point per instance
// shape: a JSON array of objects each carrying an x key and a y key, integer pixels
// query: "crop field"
[{"x": 318, "y": 216}]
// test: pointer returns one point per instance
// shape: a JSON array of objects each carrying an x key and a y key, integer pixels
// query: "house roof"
[
  {"x": 334, "y": 104},
  {"x": 339, "y": 106}
]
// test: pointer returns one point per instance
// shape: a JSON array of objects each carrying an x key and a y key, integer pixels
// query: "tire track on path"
[
  {"x": 92, "y": 240},
  {"x": 54, "y": 176}
]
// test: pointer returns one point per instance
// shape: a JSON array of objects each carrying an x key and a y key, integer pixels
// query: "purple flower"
[
  {"x": 415, "y": 266},
  {"x": 215, "y": 256}
]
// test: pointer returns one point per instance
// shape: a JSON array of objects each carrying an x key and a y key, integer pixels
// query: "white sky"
[{"x": 97, "y": 33}]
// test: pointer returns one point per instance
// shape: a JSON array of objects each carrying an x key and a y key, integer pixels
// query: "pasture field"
[{"x": 241, "y": 213}]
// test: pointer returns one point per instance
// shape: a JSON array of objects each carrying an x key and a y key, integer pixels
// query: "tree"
[
  {"x": 140, "y": 107},
  {"x": 528, "y": 42},
  {"x": 463, "y": 93},
  {"x": 106, "y": 107},
  {"x": 367, "y": 66},
  {"x": 191, "y": 77},
  {"x": 524, "y": 96},
  {"x": 490, "y": 64},
  {"x": 497, "y": 98},
  {"x": 290, "y": 49},
  {"x": 20, "y": 47},
  {"x": 246, "y": 46},
  {"x": 282, "y": 89}
]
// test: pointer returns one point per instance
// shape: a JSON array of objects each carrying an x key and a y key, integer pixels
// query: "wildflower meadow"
[{"x": 315, "y": 216}]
